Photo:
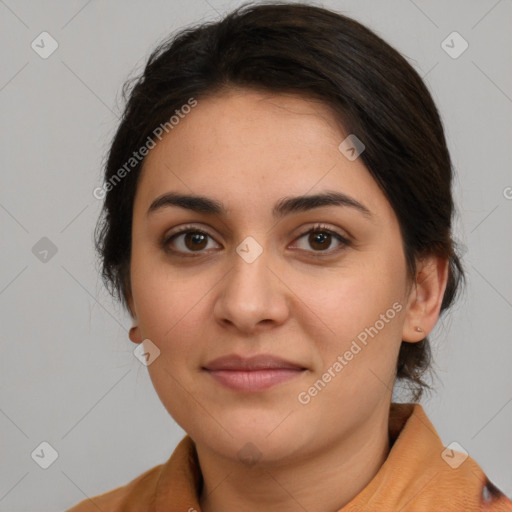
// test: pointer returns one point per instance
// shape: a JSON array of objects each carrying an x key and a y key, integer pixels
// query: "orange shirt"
[{"x": 419, "y": 475}]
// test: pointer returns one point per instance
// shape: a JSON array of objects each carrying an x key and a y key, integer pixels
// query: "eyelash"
[{"x": 318, "y": 228}]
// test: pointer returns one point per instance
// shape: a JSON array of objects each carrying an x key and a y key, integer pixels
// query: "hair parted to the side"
[{"x": 317, "y": 53}]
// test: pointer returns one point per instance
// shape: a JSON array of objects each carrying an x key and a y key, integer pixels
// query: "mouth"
[{"x": 256, "y": 373}]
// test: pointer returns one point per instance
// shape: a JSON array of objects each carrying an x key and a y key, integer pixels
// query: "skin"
[{"x": 249, "y": 149}]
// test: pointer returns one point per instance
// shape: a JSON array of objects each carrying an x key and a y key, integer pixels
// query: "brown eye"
[
  {"x": 195, "y": 241},
  {"x": 188, "y": 241},
  {"x": 320, "y": 239}
]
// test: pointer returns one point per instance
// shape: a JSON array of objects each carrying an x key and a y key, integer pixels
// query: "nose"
[{"x": 252, "y": 296}]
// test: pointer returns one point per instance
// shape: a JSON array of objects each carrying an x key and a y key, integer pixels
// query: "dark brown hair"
[{"x": 302, "y": 49}]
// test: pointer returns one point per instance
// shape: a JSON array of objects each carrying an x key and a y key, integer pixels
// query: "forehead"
[{"x": 249, "y": 149}]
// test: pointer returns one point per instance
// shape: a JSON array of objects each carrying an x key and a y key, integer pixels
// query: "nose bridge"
[
  {"x": 250, "y": 272},
  {"x": 251, "y": 293}
]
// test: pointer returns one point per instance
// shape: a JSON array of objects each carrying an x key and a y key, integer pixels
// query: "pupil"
[
  {"x": 319, "y": 238},
  {"x": 195, "y": 239}
]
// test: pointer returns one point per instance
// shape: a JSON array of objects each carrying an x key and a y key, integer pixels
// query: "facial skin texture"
[{"x": 250, "y": 149}]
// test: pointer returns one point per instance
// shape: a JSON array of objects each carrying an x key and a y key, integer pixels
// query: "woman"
[{"x": 277, "y": 221}]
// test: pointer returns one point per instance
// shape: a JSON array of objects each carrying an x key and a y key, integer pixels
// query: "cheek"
[
  {"x": 169, "y": 313},
  {"x": 167, "y": 301},
  {"x": 349, "y": 302},
  {"x": 356, "y": 314}
]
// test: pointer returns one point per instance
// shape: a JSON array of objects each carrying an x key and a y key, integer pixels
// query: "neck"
[{"x": 326, "y": 480}]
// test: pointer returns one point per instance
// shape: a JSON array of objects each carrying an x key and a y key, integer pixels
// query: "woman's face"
[{"x": 260, "y": 283}]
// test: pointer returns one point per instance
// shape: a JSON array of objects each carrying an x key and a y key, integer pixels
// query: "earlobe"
[
  {"x": 425, "y": 298},
  {"x": 134, "y": 335}
]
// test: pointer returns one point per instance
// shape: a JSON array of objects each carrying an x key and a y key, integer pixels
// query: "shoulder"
[{"x": 132, "y": 496}]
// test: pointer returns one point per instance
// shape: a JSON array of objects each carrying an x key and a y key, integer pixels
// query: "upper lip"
[{"x": 257, "y": 362}]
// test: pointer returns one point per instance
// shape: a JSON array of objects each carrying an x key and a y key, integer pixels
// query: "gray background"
[{"x": 68, "y": 375}]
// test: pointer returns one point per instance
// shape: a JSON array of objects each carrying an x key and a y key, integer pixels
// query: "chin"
[
  {"x": 253, "y": 450},
  {"x": 260, "y": 437}
]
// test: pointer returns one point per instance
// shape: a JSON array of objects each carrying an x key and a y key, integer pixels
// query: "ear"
[
  {"x": 425, "y": 298},
  {"x": 134, "y": 333}
]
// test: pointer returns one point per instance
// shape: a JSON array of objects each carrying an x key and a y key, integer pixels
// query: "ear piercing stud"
[{"x": 419, "y": 329}]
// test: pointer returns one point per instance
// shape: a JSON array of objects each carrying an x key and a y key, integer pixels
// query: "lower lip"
[{"x": 255, "y": 380}]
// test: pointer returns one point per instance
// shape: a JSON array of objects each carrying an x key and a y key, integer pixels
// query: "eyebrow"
[{"x": 282, "y": 208}]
